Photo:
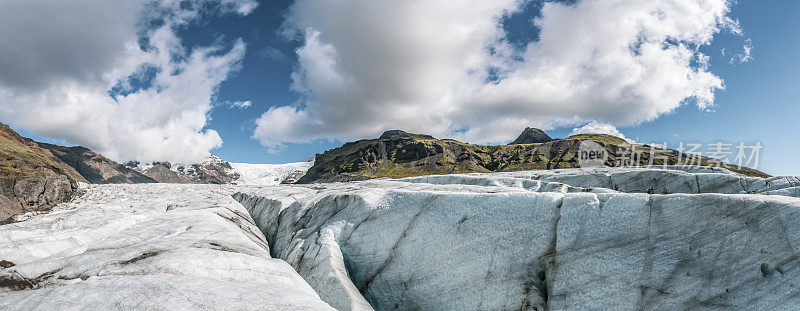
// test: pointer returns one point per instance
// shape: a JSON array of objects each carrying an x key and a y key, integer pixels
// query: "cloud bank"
[
  {"x": 113, "y": 76},
  {"x": 446, "y": 67},
  {"x": 600, "y": 128}
]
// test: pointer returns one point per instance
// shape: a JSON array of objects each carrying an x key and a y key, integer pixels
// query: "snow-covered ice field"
[
  {"x": 267, "y": 174},
  {"x": 621, "y": 239},
  {"x": 147, "y": 247}
]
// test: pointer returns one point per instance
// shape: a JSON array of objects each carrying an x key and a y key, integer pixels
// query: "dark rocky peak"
[
  {"x": 213, "y": 171},
  {"x": 160, "y": 171},
  {"x": 532, "y": 136},
  {"x": 167, "y": 165},
  {"x": 394, "y": 134},
  {"x": 96, "y": 168}
]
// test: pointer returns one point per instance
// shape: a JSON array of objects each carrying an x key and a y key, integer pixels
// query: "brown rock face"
[
  {"x": 42, "y": 191},
  {"x": 213, "y": 171},
  {"x": 31, "y": 177},
  {"x": 96, "y": 168},
  {"x": 161, "y": 172},
  {"x": 37, "y": 176},
  {"x": 32, "y": 190},
  {"x": 293, "y": 177}
]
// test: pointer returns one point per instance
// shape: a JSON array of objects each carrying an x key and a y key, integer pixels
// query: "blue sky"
[
  {"x": 277, "y": 40},
  {"x": 758, "y": 104},
  {"x": 264, "y": 79}
]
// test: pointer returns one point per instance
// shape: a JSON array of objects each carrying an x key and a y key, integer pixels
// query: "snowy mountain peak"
[{"x": 216, "y": 170}]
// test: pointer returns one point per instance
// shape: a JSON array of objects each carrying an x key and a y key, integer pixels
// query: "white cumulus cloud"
[
  {"x": 745, "y": 56},
  {"x": 600, "y": 128},
  {"x": 446, "y": 67},
  {"x": 241, "y": 104},
  {"x": 113, "y": 76}
]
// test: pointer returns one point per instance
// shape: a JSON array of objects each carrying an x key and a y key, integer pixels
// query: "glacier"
[
  {"x": 267, "y": 174},
  {"x": 145, "y": 247},
  {"x": 570, "y": 239},
  {"x": 621, "y": 239}
]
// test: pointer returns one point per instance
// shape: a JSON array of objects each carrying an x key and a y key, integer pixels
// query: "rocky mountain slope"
[
  {"x": 398, "y": 154},
  {"x": 162, "y": 172},
  {"x": 36, "y": 176},
  {"x": 218, "y": 171},
  {"x": 96, "y": 168},
  {"x": 31, "y": 177},
  {"x": 571, "y": 239},
  {"x": 213, "y": 171}
]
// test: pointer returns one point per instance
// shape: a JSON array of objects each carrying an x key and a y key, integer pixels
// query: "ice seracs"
[
  {"x": 597, "y": 239},
  {"x": 142, "y": 247},
  {"x": 555, "y": 240},
  {"x": 269, "y": 174}
]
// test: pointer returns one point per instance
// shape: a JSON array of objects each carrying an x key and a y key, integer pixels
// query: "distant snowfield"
[
  {"x": 267, "y": 174},
  {"x": 622, "y": 239}
]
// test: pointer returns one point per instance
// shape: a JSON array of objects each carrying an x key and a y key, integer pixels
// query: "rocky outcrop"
[
  {"x": 390, "y": 134},
  {"x": 36, "y": 176},
  {"x": 601, "y": 239},
  {"x": 213, "y": 171},
  {"x": 96, "y": 168},
  {"x": 35, "y": 190},
  {"x": 32, "y": 179},
  {"x": 293, "y": 177},
  {"x": 532, "y": 136},
  {"x": 161, "y": 172},
  {"x": 398, "y": 154}
]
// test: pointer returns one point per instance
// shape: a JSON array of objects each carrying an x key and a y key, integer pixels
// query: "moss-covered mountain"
[
  {"x": 31, "y": 177},
  {"x": 36, "y": 176},
  {"x": 397, "y": 154},
  {"x": 96, "y": 168}
]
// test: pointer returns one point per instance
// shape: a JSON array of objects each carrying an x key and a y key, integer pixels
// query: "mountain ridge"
[
  {"x": 31, "y": 178},
  {"x": 36, "y": 176},
  {"x": 398, "y": 154}
]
